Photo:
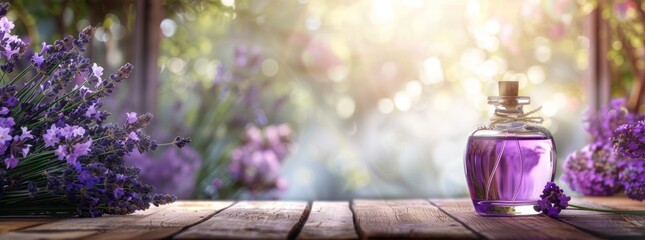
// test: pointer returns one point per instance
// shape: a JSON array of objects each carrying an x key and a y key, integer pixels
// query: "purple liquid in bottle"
[{"x": 506, "y": 175}]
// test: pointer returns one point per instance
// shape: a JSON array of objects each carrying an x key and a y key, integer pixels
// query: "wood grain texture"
[
  {"x": 521, "y": 227},
  {"x": 618, "y": 202},
  {"x": 608, "y": 225},
  {"x": 179, "y": 214},
  {"x": 154, "y": 223},
  {"x": 46, "y": 235},
  {"x": 15, "y": 223},
  {"x": 329, "y": 220},
  {"x": 251, "y": 220},
  {"x": 405, "y": 219}
]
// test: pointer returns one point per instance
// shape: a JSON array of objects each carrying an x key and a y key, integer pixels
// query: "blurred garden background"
[{"x": 297, "y": 99}]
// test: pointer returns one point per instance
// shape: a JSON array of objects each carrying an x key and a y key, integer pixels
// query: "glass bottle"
[{"x": 509, "y": 161}]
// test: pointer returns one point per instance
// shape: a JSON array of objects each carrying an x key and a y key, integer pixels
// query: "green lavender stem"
[{"x": 631, "y": 212}]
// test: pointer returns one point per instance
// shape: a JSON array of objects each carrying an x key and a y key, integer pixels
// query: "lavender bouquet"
[
  {"x": 57, "y": 154},
  {"x": 613, "y": 161}
]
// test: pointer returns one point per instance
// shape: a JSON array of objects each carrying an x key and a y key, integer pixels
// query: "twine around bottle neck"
[{"x": 499, "y": 118}]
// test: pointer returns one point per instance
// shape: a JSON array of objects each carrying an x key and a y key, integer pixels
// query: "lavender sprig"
[{"x": 553, "y": 201}]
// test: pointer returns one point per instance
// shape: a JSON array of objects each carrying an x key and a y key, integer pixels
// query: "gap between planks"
[{"x": 329, "y": 220}]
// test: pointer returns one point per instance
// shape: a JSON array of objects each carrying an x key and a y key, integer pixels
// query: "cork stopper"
[{"x": 508, "y": 88}]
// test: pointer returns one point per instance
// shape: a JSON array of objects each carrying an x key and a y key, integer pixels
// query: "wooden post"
[
  {"x": 597, "y": 79},
  {"x": 143, "y": 97}
]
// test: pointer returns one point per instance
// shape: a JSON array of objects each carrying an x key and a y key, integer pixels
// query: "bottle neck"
[{"x": 509, "y": 110}]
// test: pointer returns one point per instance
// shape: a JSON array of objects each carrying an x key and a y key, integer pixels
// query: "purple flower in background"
[
  {"x": 217, "y": 184},
  {"x": 172, "y": 171},
  {"x": 552, "y": 200},
  {"x": 629, "y": 139},
  {"x": 246, "y": 57},
  {"x": 593, "y": 170},
  {"x": 256, "y": 162},
  {"x": 3, "y": 111},
  {"x": 601, "y": 125}
]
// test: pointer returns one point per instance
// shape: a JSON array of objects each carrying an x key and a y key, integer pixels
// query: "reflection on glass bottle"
[{"x": 508, "y": 161}]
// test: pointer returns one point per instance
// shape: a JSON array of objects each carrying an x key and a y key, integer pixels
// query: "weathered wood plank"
[
  {"x": 15, "y": 223},
  {"x": 135, "y": 233},
  {"x": 251, "y": 220},
  {"x": 405, "y": 219},
  {"x": 606, "y": 224},
  {"x": 165, "y": 222},
  {"x": 179, "y": 214},
  {"x": 46, "y": 235},
  {"x": 524, "y": 227},
  {"x": 619, "y": 202},
  {"x": 329, "y": 220}
]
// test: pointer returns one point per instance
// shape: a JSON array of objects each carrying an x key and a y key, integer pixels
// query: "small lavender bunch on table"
[
  {"x": 617, "y": 137},
  {"x": 57, "y": 154},
  {"x": 553, "y": 201}
]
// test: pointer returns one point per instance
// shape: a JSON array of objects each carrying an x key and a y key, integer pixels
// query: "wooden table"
[{"x": 413, "y": 218}]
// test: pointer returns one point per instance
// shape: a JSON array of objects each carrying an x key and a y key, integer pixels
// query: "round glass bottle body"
[{"x": 507, "y": 166}]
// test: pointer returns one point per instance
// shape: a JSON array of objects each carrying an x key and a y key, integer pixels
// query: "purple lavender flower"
[
  {"x": 4, "y": 134},
  {"x": 629, "y": 139},
  {"x": 6, "y": 25},
  {"x": 37, "y": 60},
  {"x": 51, "y": 137},
  {"x": 33, "y": 189},
  {"x": 593, "y": 170},
  {"x": 180, "y": 142},
  {"x": 552, "y": 200},
  {"x": 131, "y": 117},
  {"x": 11, "y": 162},
  {"x": 26, "y": 134},
  {"x": 97, "y": 71},
  {"x": 7, "y": 122}
]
